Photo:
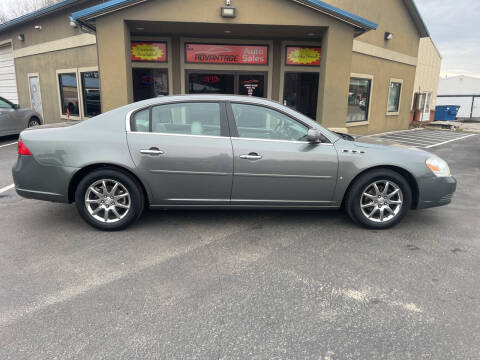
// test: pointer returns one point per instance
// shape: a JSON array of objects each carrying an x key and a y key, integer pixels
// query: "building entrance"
[
  {"x": 220, "y": 82},
  {"x": 301, "y": 92}
]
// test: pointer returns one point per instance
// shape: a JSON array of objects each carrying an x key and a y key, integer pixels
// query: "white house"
[{"x": 461, "y": 90}]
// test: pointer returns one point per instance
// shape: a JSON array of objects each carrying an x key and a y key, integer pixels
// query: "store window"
[
  {"x": 79, "y": 93},
  {"x": 149, "y": 83},
  {"x": 263, "y": 123},
  {"x": 91, "y": 93},
  {"x": 230, "y": 83},
  {"x": 251, "y": 85},
  {"x": 358, "y": 99},
  {"x": 69, "y": 94},
  {"x": 211, "y": 83},
  {"x": 394, "y": 93}
]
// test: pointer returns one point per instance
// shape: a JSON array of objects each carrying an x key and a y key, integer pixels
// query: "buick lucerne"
[{"x": 216, "y": 151}]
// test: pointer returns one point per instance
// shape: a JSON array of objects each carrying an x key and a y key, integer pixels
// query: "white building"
[{"x": 461, "y": 90}]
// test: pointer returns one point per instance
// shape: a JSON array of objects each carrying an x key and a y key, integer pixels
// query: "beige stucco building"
[
  {"x": 349, "y": 65},
  {"x": 426, "y": 81}
]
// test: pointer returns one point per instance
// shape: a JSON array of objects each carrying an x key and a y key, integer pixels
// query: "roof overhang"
[
  {"x": 417, "y": 18},
  {"x": 84, "y": 17},
  {"x": 41, "y": 12}
]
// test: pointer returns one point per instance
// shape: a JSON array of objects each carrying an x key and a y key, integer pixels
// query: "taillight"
[{"x": 22, "y": 149}]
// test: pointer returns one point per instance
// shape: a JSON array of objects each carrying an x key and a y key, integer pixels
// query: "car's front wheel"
[
  {"x": 379, "y": 199},
  {"x": 109, "y": 199},
  {"x": 34, "y": 121}
]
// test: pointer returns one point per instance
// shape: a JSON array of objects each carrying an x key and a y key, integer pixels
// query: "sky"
[{"x": 454, "y": 26}]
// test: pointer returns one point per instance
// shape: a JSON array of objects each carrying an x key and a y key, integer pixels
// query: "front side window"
[
  {"x": 4, "y": 104},
  {"x": 181, "y": 118},
  {"x": 91, "y": 93},
  {"x": 263, "y": 123},
  {"x": 358, "y": 99},
  {"x": 394, "y": 97},
  {"x": 69, "y": 93}
]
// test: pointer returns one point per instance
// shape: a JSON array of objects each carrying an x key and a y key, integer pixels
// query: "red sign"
[
  {"x": 303, "y": 55},
  {"x": 226, "y": 54},
  {"x": 148, "y": 51}
]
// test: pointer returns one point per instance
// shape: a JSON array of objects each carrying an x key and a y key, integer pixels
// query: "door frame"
[
  {"x": 227, "y": 67},
  {"x": 290, "y": 71},
  {"x": 297, "y": 68},
  {"x": 235, "y": 74},
  {"x": 30, "y": 75}
]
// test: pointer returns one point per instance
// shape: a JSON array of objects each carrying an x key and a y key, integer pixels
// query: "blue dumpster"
[{"x": 446, "y": 112}]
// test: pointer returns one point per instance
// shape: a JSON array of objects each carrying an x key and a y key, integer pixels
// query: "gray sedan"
[
  {"x": 14, "y": 119},
  {"x": 213, "y": 151}
]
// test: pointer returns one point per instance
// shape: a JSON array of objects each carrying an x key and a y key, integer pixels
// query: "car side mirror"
[
  {"x": 313, "y": 136},
  {"x": 16, "y": 106}
]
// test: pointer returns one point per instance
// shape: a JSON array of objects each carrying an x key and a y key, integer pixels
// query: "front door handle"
[
  {"x": 251, "y": 156},
  {"x": 152, "y": 151}
]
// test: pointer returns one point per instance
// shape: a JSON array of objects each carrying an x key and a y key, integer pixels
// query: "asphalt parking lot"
[
  {"x": 242, "y": 285},
  {"x": 424, "y": 138}
]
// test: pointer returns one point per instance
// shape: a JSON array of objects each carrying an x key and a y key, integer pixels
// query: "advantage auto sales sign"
[{"x": 226, "y": 54}]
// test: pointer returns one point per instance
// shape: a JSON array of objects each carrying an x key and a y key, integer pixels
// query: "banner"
[
  {"x": 303, "y": 55},
  {"x": 226, "y": 54},
  {"x": 148, "y": 51}
]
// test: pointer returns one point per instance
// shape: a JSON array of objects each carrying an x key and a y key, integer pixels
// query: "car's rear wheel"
[
  {"x": 109, "y": 199},
  {"x": 34, "y": 121},
  {"x": 379, "y": 199}
]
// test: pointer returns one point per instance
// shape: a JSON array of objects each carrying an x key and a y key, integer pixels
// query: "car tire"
[
  {"x": 34, "y": 121},
  {"x": 368, "y": 203},
  {"x": 114, "y": 209}
]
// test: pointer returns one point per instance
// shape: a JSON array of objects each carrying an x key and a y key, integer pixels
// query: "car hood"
[{"x": 378, "y": 143}]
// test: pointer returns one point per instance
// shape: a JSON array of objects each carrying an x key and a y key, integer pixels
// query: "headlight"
[{"x": 438, "y": 166}]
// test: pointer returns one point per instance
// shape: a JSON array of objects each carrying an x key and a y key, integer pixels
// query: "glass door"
[
  {"x": 230, "y": 83},
  {"x": 301, "y": 92},
  {"x": 149, "y": 83},
  {"x": 211, "y": 83},
  {"x": 35, "y": 97}
]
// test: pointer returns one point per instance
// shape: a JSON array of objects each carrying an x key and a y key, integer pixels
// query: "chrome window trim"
[
  {"x": 284, "y": 176},
  {"x": 190, "y": 172},
  {"x": 172, "y": 134},
  {"x": 281, "y": 141},
  {"x": 128, "y": 117}
]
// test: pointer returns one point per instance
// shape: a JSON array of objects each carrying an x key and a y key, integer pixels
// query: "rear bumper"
[
  {"x": 35, "y": 181},
  {"x": 436, "y": 191}
]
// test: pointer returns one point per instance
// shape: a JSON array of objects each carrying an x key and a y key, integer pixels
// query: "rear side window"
[
  {"x": 180, "y": 118},
  {"x": 141, "y": 121}
]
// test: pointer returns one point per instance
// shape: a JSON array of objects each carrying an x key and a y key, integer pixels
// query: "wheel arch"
[
  {"x": 405, "y": 173},
  {"x": 77, "y": 177},
  {"x": 34, "y": 116}
]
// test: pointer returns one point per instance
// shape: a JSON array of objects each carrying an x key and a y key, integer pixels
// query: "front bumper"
[
  {"x": 436, "y": 191},
  {"x": 36, "y": 181}
]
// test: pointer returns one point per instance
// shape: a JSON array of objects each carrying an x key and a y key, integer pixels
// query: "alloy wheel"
[
  {"x": 33, "y": 123},
  {"x": 381, "y": 201},
  {"x": 107, "y": 200}
]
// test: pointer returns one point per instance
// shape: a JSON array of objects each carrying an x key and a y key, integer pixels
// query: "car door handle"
[
  {"x": 152, "y": 151},
  {"x": 251, "y": 156}
]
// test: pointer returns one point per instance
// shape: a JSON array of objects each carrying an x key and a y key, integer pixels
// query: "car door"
[
  {"x": 7, "y": 118},
  {"x": 184, "y": 152},
  {"x": 274, "y": 165}
]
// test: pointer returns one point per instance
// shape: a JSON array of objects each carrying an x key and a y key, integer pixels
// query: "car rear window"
[{"x": 180, "y": 118}]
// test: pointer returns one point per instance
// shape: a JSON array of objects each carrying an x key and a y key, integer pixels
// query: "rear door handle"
[
  {"x": 152, "y": 151},
  {"x": 251, "y": 156}
]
